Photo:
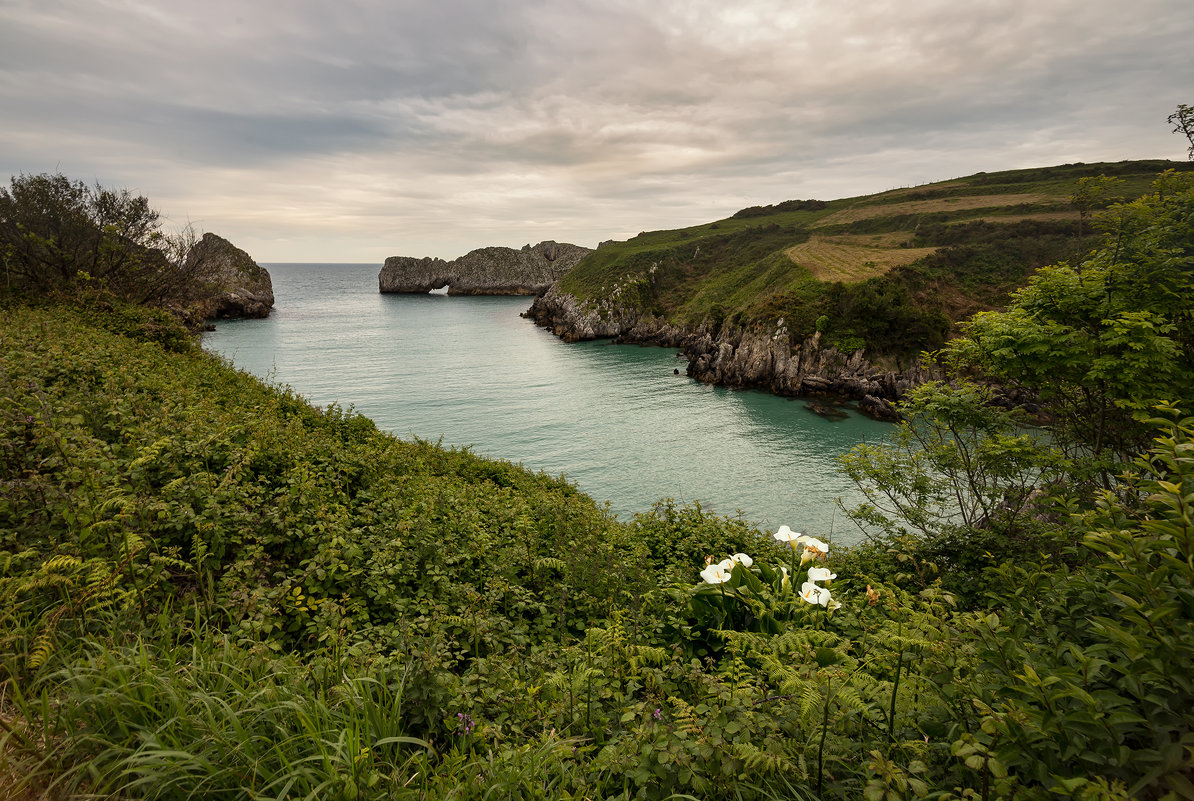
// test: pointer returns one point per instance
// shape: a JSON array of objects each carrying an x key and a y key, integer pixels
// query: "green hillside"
[{"x": 892, "y": 271}]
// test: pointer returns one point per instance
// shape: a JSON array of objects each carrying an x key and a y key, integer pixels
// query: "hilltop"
[{"x": 851, "y": 290}]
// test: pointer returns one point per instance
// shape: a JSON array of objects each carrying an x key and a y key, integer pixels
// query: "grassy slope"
[
  {"x": 900, "y": 264},
  {"x": 154, "y": 495},
  {"x": 223, "y": 592}
]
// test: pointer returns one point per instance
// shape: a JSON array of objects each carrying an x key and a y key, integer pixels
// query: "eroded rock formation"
[
  {"x": 737, "y": 357},
  {"x": 485, "y": 271},
  {"x": 230, "y": 283}
]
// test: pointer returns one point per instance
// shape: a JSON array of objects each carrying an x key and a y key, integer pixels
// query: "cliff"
[
  {"x": 230, "y": 283},
  {"x": 732, "y": 356},
  {"x": 485, "y": 271},
  {"x": 837, "y": 297}
]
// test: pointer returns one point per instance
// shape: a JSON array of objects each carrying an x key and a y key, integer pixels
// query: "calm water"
[{"x": 614, "y": 419}]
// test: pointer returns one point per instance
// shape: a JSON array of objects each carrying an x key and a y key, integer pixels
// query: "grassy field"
[{"x": 849, "y": 258}]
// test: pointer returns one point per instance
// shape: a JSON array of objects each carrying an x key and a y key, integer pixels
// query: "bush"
[{"x": 61, "y": 236}]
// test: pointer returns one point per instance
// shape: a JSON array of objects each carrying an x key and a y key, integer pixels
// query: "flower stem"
[
  {"x": 895, "y": 689},
  {"x": 821, "y": 746}
]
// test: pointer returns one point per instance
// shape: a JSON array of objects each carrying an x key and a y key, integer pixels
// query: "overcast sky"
[{"x": 313, "y": 130}]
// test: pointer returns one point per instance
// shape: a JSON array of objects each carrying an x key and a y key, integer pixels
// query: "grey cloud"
[{"x": 449, "y": 123}]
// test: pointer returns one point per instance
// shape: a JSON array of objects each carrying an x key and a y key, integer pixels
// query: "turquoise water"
[{"x": 614, "y": 419}]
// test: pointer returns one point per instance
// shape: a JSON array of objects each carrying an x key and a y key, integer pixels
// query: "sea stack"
[
  {"x": 231, "y": 283},
  {"x": 485, "y": 271}
]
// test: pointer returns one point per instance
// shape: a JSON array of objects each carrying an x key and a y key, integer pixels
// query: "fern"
[
  {"x": 39, "y": 652},
  {"x": 551, "y": 562}
]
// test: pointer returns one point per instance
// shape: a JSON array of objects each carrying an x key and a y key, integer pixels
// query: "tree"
[
  {"x": 56, "y": 233},
  {"x": 1093, "y": 193},
  {"x": 1102, "y": 342},
  {"x": 1182, "y": 121},
  {"x": 956, "y": 460}
]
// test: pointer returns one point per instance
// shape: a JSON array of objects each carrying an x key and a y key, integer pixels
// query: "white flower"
[
  {"x": 741, "y": 559},
  {"x": 820, "y": 574},
  {"x": 814, "y": 595},
  {"x": 813, "y": 548},
  {"x": 786, "y": 534},
  {"x": 716, "y": 574}
]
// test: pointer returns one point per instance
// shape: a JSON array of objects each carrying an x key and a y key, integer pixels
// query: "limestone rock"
[
  {"x": 737, "y": 357},
  {"x": 570, "y": 320},
  {"x": 230, "y": 283},
  {"x": 485, "y": 271},
  {"x": 408, "y": 274}
]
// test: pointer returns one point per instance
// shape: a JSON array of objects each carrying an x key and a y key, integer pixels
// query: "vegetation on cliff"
[{"x": 891, "y": 272}]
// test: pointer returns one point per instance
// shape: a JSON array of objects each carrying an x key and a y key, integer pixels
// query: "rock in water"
[
  {"x": 485, "y": 271},
  {"x": 828, "y": 411},
  {"x": 230, "y": 283}
]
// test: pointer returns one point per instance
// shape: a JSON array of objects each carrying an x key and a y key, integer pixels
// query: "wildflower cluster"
[
  {"x": 741, "y": 594},
  {"x": 810, "y": 549},
  {"x": 720, "y": 572}
]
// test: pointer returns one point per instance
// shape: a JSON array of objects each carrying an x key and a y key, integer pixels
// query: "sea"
[{"x": 621, "y": 422}]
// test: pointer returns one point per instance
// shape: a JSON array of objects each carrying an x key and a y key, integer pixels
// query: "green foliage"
[
  {"x": 1095, "y": 667},
  {"x": 176, "y": 719},
  {"x": 879, "y": 314},
  {"x": 678, "y": 539},
  {"x": 955, "y": 460},
  {"x": 1100, "y": 342},
  {"x": 1081, "y": 650},
  {"x": 1092, "y": 193}
]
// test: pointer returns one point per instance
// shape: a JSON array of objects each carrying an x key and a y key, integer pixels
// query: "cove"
[{"x": 614, "y": 419}]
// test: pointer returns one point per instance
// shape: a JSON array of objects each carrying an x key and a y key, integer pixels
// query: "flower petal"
[
  {"x": 742, "y": 559},
  {"x": 786, "y": 534},
  {"x": 715, "y": 574},
  {"x": 821, "y": 574},
  {"x": 813, "y": 542}
]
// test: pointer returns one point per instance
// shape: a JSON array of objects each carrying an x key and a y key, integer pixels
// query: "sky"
[{"x": 349, "y": 131}]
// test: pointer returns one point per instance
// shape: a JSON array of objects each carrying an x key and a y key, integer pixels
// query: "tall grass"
[{"x": 205, "y": 718}]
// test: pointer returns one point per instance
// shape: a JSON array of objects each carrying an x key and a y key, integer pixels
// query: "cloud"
[{"x": 352, "y": 131}]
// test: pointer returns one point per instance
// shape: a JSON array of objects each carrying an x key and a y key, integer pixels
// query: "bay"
[{"x": 614, "y": 419}]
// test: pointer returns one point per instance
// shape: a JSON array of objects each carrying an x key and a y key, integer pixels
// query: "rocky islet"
[{"x": 485, "y": 271}]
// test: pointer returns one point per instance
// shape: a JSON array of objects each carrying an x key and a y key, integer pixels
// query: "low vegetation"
[{"x": 209, "y": 588}]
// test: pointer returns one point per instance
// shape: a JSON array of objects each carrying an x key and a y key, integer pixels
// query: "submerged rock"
[
  {"x": 828, "y": 411},
  {"x": 485, "y": 271},
  {"x": 229, "y": 283},
  {"x": 879, "y": 408}
]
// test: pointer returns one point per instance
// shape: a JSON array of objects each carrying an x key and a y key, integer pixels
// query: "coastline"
[{"x": 740, "y": 358}]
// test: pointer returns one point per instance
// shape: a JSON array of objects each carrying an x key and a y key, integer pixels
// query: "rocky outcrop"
[
  {"x": 738, "y": 357},
  {"x": 229, "y": 283},
  {"x": 572, "y": 321},
  {"x": 486, "y": 271}
]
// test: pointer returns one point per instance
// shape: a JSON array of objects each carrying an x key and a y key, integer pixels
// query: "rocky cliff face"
[
  {"x": 486, "y": 271},
  {"x": 230, "y": 283},
  {"x": 737, "y": 357}
]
